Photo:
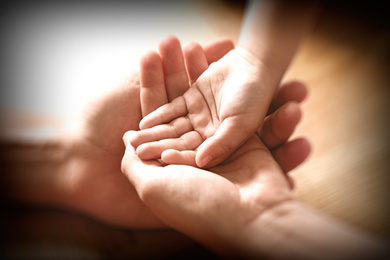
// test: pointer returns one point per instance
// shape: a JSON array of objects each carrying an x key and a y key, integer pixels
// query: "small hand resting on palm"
[
  {"x": 242, "y": 208},
  {"x": 213, "y": 113}
]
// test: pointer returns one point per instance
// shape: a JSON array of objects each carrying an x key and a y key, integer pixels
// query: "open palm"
[
  {"x": 216, "y": 205},
  {"x": 97, "y": 186},
  {"x": 224, "y": 107},
  {"x": 95, "y": 147}
]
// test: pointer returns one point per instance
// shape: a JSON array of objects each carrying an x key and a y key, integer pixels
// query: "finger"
[
  {"x": 174, "y": 129},
  {"x": 153, "y": 150},
  {"x": 131, "y": 164},
  {"x": 165, "y": 113},
  {"x": 195, "y": 60},
  {"x": 216, "y": 50},
  {"x": 176, "y": 80},
  {"x": 292, "y": 154},
  {"x": 179, "y": 157},
  {"x": 153, "y": 93},
  {"x": 229, "y": 136},
  {"x": 126, "y": 137},
  {"x": 280, "y": 125},
  {"x": 289, "y": 91}
]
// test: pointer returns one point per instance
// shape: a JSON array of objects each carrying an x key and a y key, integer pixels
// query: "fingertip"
[
  {"x": 194, "y": 52},
  {"x": 127, "y": 137},
  {"x": 143, "y": 152},
  {"x": 299, "y": 148},
  {"x": 149, "y": 58},
  {"x": 168, "y": 156},
  {"x": 302, "y": 150},
  {"x": 229, "y": 136},
  {"x": 172, "y": 156},
  {"x": 279, "y": 126},
  {"x": 292, "y": 112},
  {"x": 195, "y": 60},
  {"x": 170, "y": 47},
  {"x": 192, "y": 47},
  {"x": 168, "y": 42},
  {"x": 302, "y": 91},
  {"x": 289, "y": 91},
  {"x": 211, "y": 152},
  {"x": 287, "y": 117},
  {"x": 145, "y": 123},
  {"x": 204, "y": 162},
  {"x": 298, "y": 89},
  {"x": 292, "y": 154},
  {"x": 149, "y": 151},
  {"x": 228, "y": 44},
  {"x": 142, "y": 124},
  {"x": 305, "y": 147},
  {"x": 216, "y": 50}
]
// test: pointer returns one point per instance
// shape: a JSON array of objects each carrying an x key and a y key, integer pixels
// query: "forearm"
[
  {"x": 31, "y": 172},
  {"x": 295, "y": 231},
  {"x": 272, "y": 31}
]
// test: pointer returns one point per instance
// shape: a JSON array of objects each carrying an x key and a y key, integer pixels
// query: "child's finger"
[
  {"x": 171, "y": 156},
  {"x": 174, "y": 129},
  {"x": 165, "y": 114},
  {"x": 153, "y": 150},
  {"x": 132, "y": 165}
]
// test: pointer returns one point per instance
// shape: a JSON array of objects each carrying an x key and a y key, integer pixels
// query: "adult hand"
[
  {"x": 93, "y": 173},
  {"x": 216, "y": 207},
  {"x": 94, "y": 148}
]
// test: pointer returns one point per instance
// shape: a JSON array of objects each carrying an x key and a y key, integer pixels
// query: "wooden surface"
[
  {"x": 345, "y": 62},
  {"x": 346, "y": 117}
]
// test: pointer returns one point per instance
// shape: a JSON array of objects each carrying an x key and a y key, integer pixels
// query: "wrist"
[
  {"x": 268, "y": 74},
  {"x": 292, "y": 230}
]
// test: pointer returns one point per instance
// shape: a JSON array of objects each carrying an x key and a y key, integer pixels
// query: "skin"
[
  {"x": 244, "y": 207},
  {"x": 131, "y": 211},
  {"x": 190, "y": 199},
  {"x": 81, "y": 168},
  {"x": 228, "y": 102},
  {"x": 181, "y": 138}
]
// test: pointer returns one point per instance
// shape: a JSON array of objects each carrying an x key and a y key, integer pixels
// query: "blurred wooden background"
[{"x": 345, "y": 62}]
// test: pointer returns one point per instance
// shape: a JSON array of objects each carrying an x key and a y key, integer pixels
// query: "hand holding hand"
[
  {"x": 224, "y": 106},
  {"x": 216, "y": 207},
  {"x": 92, "y": 175}
]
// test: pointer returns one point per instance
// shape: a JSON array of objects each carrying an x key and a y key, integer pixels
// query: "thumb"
[
  {"x": 130, "y": 158},
  {"x": 135, "y": 169},
  {"x": 126, "y": 141},
  {"x": 230, "y": 135}
]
